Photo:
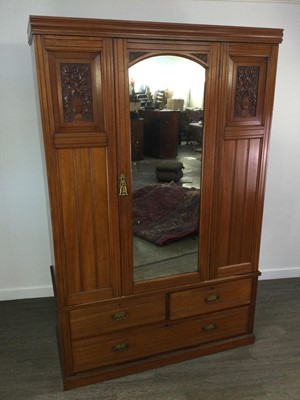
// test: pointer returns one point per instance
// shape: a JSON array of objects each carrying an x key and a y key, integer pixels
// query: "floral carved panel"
[
  {"x": 76, "y": 86},
  {"x": 202, "y": 57},
  {"x": 246, "y": 93}
]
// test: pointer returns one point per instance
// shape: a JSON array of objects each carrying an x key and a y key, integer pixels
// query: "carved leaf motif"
[
  {"x": 202, "y": 56},
  {"x": 76, "y": 86},
  {"x": 135, "y": 54},
  {"x": 246, "y": 91}
]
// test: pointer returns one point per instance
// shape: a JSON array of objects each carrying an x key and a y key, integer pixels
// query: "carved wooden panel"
[
  {"x": 134, "y": 55},
  {"x": 246, "y": 91},
  {"x": 77, "y": 95},
  {"x": 76, "y": 88},
  {"x": 247, "y": 80},
  {"x": 202, "y": 57}
]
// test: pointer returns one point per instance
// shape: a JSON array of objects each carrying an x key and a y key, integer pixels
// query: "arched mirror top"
[{"x": 201, "y": 58}]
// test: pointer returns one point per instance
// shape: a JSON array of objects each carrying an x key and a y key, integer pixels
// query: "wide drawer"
[
  {"x": 187, "y": 303},
  {"x": 138, "y": 343},
  {"x": 93, "y": 320}
]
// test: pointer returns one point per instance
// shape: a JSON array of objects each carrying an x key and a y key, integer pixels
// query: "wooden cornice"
[{"x": 42, "y": 25}]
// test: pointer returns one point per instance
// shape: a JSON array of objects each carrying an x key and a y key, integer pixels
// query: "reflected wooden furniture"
[
  {"x": 161, "y": 130},
  {"x": 188, "y": 118},
  {"x": 196, "y": 132},
  {"x": 137, "y": 139},
  {"x": 108, "y": 324}
]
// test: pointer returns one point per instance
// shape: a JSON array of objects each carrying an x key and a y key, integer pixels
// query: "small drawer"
[
  {"x": 187, "y": 303},
  {"x": 137, "y": 343},
  {"x": 93, "y": 320}
]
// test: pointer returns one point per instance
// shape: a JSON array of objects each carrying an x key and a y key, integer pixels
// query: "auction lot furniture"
[{"x": 109, "y": 324}]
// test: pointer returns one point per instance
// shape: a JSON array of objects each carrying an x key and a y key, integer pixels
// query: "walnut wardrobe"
[{"x": 111, "y": 323}]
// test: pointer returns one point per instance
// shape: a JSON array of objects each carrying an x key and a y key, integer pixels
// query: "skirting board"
[
  {"x": 283, "y": 273},
  {"x": 26, "y": 293},
  {"x": 47, "y": 291}
]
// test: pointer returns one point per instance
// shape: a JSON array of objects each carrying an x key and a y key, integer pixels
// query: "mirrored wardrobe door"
[{"x": 166, "y": 119}]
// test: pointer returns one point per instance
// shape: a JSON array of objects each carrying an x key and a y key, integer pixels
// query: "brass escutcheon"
[
  {"x": 120, "y": 347},
  {"x": 209, "y": 327},
  {"x": 122, "y": 186},
  {"x": 119, "y": 315},
  {"x": 212, "y": 298}
]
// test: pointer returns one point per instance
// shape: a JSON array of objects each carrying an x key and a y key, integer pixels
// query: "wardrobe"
[{"x": 109, "y": 323}]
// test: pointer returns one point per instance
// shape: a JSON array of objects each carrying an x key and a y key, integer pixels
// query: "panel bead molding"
[
  {"x": 246, "y": 91},
  {"x": 76, "y": 86}
]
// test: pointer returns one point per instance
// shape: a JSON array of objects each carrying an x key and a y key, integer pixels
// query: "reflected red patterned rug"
[{"x": 165, "y": 212}]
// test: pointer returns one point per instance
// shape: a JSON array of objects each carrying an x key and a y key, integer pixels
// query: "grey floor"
[{"x": 267, "y": 370}]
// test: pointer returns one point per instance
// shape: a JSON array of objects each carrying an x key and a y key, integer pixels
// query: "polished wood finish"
[
  {"x": 40, "y": 25},
  {"x": 108, "y": 324},
  {"x": 93, "y": 320},
  {"x": 203, "y": 300},
  {"x": 119, "y": 347}
]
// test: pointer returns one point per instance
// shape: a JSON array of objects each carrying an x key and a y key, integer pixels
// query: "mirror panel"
[{"x": 166, "y": 114}]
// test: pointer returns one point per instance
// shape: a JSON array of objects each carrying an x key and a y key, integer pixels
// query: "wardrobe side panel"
[
  {"x": 247, "y": 81},
  {"x": 81, "y": 157}
]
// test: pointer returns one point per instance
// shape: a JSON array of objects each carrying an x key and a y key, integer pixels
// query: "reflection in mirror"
[{"x": 166, "y": 113}]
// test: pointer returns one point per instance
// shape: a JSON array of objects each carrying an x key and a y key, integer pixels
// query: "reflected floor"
[
  {"x": 152, "y": 261},
  {"x": 181, "y": 256}
]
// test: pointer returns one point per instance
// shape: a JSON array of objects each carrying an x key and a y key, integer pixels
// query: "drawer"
[
  {"x": 93, "y": 320},
  {"x": 187, "y": 303},
  {"x": 138, "y": 343}
]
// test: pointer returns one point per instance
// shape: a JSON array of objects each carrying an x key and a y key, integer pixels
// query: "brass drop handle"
[
  {"x": 120, "y": 347},
  {"x": 209, "y": 327},
  {"x": 119, "y": 315},
  {"x": 122, "y": 186},
  {"x": 212, "y": 298}
]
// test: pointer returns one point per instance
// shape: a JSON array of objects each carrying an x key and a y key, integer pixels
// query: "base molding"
[
  {"x": 161, "y": 360},
  {"x": 26, "y": 293},
  {"x": 280, "y": 273}
]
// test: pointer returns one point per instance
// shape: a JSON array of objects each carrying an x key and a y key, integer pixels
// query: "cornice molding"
[{"x": 45, "y": 25}]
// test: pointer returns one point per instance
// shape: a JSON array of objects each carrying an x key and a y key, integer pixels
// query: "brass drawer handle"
[
  {"x": 120, "y": 347},
  {"x": 209, "y": 327},
  {"x": 212, "y": 298},
  {"x": 119, "y": 315}
]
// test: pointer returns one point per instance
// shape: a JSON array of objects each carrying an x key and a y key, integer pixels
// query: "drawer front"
[
  {"x": 130, "y": 345},
  {"x": 110, "y": 316},
  {"x": 187, "y": 303}
]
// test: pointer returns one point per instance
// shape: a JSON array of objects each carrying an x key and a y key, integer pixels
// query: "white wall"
[{"x": 25, "y": 253}]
